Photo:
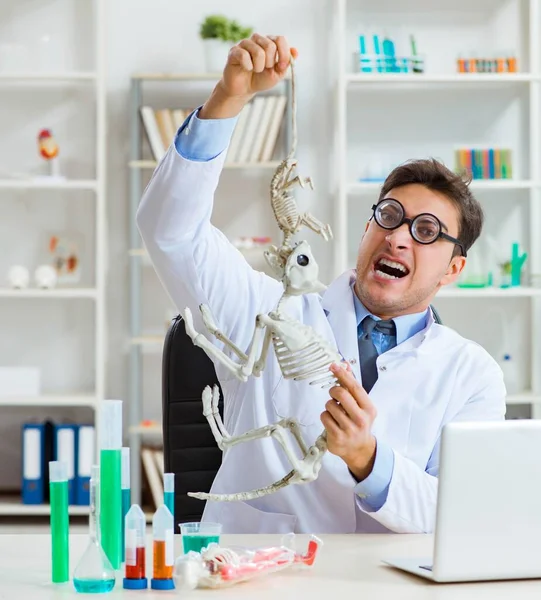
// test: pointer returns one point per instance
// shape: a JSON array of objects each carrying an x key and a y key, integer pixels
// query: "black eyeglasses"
[{"x": 424, "y": 228}]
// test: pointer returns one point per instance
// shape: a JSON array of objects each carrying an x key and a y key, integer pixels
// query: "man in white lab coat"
[{"x": 380, "y": 473}]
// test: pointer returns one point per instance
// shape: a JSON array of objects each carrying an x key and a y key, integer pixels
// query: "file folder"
[
  {"x": 33, "y": 468},
  {"x": 65, "y": 450},
  {"x": 85, "y": 460}
]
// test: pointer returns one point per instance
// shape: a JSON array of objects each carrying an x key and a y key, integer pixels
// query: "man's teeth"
[
  {"x": 392, "y": 264},
  {"x": 386, "y": 275}
]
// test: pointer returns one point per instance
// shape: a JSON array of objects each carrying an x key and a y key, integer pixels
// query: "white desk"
[{"x": 347, "y": 567}]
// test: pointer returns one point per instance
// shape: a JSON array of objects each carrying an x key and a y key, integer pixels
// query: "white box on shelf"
[{"x": 20, "y": 381}]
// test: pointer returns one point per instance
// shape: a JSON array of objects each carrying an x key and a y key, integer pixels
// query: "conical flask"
[{"x": 94, "y": 573}]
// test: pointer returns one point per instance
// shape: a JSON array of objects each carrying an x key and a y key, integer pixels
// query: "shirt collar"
[{"x": 406, "y": 325}]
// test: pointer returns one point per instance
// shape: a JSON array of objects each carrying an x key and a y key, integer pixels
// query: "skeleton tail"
[{"x": 243, "y": 496}]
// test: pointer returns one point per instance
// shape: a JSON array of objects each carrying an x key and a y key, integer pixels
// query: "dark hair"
[{"x": 437, "y": 177}]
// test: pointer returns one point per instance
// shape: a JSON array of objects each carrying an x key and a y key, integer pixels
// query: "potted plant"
[{"x": 218, "y": 34}]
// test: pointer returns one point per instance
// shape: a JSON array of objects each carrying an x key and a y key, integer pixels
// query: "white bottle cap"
[
  {"x": 125, "y": 477},
  {"x": 111, "y": 425},
  {"x": 58, "y": 471},
  {"x": 168, "y": 482}
]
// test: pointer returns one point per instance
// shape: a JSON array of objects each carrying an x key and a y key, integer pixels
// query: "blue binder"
[
  {"x": 65, "y": 449},
  {"x": 85, "y": 460},
  {"x": 33, "y": 472}
]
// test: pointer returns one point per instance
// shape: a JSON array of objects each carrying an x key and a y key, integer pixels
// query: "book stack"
[
  {"x": 256, "y": 133},
  {"x": 161, "y": 126},
  {"x": 254, "y": 138},
  {"x": 153, "y": 468},
  {"x": 484, "y": 163}
]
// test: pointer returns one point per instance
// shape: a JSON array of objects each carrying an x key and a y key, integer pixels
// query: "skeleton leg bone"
[
  {"x": 211, "y": 350},
  {"x": 300, "y": 181},
  {"x": 241, "y": 370},
  {"x": 210, "y": 411},
  {"x": 212, "y": 327},
  {"x": 301, "y": 470},
  {"x": 317, "y": 226}
]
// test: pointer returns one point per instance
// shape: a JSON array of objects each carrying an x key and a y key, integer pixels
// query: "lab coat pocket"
[
  {"x": 241, "y": 517},
  {"x": 299, "y": 400}
]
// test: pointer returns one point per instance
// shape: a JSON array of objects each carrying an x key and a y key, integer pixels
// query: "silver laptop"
[{"x": 488, "y": 520}]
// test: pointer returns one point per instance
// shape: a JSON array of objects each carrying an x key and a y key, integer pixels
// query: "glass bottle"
[{"x": 94, "y": 573}]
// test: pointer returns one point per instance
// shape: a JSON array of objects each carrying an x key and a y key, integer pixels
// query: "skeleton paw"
[
  {"x": 206, "y": 397},
  {"x": 210, "y": 398},
  {"x": 208, "y": 319},
  {"x": 326, "y": 232},
  {"x": 188, "y": 324},
  {"x": 307, "y": 181}
]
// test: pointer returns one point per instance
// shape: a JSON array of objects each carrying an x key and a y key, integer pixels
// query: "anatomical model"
[
  {"x": 48, "y": 149},
  {"x": 302, "y": 354}
]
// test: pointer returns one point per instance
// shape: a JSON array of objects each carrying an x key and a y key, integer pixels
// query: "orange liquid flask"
[
  {"x": 135, "y": 565},
  {"x": 163, "y": 549}
]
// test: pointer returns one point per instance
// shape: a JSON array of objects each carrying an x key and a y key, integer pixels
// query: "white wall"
[{"x": 143, "y": 35}]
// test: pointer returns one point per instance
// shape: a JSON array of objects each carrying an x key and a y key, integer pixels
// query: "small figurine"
[{"x": 48, "y": 149}]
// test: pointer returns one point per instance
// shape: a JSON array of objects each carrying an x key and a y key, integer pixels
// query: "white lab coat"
[{"x": 427, "y": 381}]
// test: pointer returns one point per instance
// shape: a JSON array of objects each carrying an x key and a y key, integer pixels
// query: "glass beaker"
[
  {"x": 196, "y": 536},
  {"x": 94, "y": 573}
]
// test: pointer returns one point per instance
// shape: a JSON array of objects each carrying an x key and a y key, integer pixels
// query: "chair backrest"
[{"x": 190, "y": 450}]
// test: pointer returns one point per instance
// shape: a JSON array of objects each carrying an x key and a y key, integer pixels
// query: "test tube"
[
  {"x": 163, "y": 549},
  {"x": 110, "y": 487},
  {"x": 169, "y": 492},
  {"x": 135, "y": 571},
  {"x": 125, "y": 486},
  {"x": 58, "y": 488}
]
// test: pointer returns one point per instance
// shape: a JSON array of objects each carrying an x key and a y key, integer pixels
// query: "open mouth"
[{"x": 390, "y": 269}]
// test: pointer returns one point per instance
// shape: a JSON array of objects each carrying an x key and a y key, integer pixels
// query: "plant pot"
[{"x": 216, "y": 52}]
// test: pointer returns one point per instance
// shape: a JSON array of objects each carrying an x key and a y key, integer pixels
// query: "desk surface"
[{"x": 347, "y": 567}]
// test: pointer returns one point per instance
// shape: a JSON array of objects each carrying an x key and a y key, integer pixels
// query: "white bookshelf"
[
  {"x": 28, "y": 86},
  {"x": 397, "y": 116}
]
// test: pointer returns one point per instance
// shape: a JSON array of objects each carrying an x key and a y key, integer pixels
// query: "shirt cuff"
[
  {"x": 204, "y": 139},
  {"x": 373, "y": 490}
]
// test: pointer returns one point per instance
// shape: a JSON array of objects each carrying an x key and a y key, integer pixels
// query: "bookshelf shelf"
[
  {"x": 151, "y": 164},
  {"x": 422, "y": 79},
  {"x": 37, "y": 77},
  {"x": 41, "y": 184},
  {"x": 9, "y": 506},
  {"x": 51, "y": 400},
  {"x": 90, "y": 293},
  {"x": 477, "y": 184}
]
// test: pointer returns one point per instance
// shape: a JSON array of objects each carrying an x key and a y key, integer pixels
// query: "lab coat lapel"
[{"x": 340, "y": 310}]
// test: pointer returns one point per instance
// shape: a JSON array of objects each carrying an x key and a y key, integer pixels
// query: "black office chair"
[{"x": 190, "y": 450}]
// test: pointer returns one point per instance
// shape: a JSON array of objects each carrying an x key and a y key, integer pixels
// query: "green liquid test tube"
[
  {"x": 110, "y": 484},
  {"x": 169, "y": 492},
  {"x": 58, "y": 488},
  {"x": 126, "y": 495}
]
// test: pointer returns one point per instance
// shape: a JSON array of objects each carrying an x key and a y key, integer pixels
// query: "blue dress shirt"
[{"x": 204, "y": 139}]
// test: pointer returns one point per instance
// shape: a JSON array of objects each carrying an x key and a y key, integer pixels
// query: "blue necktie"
[{"x": 367, "y": 350}]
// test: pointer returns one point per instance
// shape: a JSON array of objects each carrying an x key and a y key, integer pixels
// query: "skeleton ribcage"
[
  {"x": 311, "y": 362},
  {"x": 285, "y": 208}
]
